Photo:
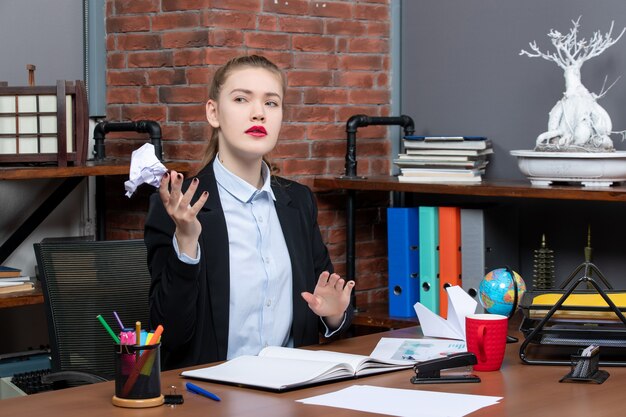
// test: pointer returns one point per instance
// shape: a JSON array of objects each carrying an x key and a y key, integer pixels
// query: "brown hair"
[{"x": 254, "y": 61}]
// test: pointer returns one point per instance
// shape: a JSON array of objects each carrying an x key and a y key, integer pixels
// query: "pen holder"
[
  {"x": 138, "y": 376},
  {"x": 585, "y": 369}
]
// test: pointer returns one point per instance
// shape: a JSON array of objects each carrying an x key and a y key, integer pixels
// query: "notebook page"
[{"x": 269, "y": 372}]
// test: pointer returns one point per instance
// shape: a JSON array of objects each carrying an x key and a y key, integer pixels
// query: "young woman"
[{"x": 236, "y": 255}]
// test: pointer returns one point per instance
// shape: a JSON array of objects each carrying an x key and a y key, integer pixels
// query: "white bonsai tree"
[{"x": 577, "y": 123}]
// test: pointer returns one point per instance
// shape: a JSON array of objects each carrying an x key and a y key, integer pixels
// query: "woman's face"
[{"x": 248, "y": 112}]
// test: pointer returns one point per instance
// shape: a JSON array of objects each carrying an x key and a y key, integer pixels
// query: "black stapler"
[{"x": 429, "y": 372}]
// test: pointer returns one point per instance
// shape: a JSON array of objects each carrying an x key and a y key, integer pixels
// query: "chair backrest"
[{"x": 81, "y": 279}]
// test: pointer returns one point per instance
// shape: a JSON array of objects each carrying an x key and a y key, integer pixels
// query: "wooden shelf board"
[
  {"x": 512, "y": 189},
  {"x": 16, "y": 299},
  {"x": 108, "y": 167}
]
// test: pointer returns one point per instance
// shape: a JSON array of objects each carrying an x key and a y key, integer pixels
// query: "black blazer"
[{"x": 192, "y": 301}]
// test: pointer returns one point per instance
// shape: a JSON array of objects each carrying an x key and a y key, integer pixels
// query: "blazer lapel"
[
  {"x": 216, "y": 256},
  {"x": 289, "y": 218}
]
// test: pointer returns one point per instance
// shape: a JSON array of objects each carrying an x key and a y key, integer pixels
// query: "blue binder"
[
  {"x": 403, "y": 260},
  {"x": 429, "y": 257}
]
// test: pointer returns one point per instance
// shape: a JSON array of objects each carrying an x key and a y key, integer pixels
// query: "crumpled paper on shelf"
[{"x": 145, "y": 167}]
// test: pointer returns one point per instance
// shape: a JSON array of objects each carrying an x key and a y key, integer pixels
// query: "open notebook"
[{"x": 281, "y": 368}]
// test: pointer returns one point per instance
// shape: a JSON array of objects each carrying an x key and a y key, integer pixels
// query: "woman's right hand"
[{"x": 178, "y": 206}]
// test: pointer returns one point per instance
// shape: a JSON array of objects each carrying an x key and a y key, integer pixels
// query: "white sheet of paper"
[
  {"x": 403, "y": 402},
  {"x": 10, "y": 283},
  {"x": 460, "y": 305},
  {"x": 416, "y": 350},
  {"x": 19, "y": 280},
  {"x": 145, "y": 167}
]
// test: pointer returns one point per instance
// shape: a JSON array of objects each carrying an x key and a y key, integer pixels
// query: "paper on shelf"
[
  {"x": 13, "y": 281},
  {"x": 145, "y": 167},
  {"x": 10, "y": 283},
  {"x": 460, "y": 305}
]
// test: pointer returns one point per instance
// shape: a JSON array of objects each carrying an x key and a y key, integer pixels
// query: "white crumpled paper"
[{"x": 145, "y": 167}]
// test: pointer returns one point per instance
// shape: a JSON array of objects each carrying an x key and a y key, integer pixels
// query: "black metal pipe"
[
  {"x": 142, "y": 126},
  {"x": 354, "y": 122},
  {"x": 150, "y": 127},
  {"x": 361, "y": 120}
]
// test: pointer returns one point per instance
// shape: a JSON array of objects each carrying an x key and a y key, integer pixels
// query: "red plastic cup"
[{"x": 486, "y": 338}]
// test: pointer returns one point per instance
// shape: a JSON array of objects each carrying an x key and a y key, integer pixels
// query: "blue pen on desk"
[{"x": 194, "y": 388}]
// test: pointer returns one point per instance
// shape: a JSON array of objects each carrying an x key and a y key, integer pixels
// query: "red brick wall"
[{"x": 161, "y": 55}]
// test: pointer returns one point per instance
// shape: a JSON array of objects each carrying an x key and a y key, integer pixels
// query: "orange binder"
[{"x": 449, "y": 253}]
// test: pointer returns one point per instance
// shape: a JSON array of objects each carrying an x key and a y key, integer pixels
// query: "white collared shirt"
[{"x": 261, "y": 304}]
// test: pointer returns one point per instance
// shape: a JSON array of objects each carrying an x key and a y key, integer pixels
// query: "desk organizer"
[
  {"x": 559, "y": 329},
  {"x": 137, "y": 376},
  {"x": 585, "y": 369}
]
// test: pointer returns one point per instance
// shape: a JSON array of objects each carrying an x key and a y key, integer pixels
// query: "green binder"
[{"x": 429, "y": 257}]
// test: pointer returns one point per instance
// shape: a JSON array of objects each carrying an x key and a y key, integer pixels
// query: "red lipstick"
[{"x": 257, "y": 131}]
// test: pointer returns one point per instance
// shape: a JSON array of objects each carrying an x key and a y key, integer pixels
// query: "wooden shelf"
[
  {"x": 376, "y": 315},
  {"x": 91, "y": 168},
  {"x": 512, "y": 189},
  {"x": 15, "y": 299},
  {"x": 107, "y": 167}
]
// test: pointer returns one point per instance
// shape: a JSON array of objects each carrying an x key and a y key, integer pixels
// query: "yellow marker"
[
  {"x": 138, "y": 333},
  {"x": 152, "y": 339}
]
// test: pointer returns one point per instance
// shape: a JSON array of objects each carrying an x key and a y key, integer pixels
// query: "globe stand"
[
  {"x": 514, "y": 305},
  {"x": 513, "y": 339}
]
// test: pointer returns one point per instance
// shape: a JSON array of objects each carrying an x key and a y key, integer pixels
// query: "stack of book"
[
  {"x": 11, "y": 280},
  {"x": 443, "y": 158}
]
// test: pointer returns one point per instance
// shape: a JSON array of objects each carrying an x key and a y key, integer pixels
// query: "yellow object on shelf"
[{"x": 578, "y": 300}]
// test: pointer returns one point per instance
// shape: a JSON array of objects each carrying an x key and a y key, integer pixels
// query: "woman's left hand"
[{"x": 330, "y": 298}]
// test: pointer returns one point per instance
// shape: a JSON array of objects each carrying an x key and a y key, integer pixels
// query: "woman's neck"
[{"x": 249, "y": 171}]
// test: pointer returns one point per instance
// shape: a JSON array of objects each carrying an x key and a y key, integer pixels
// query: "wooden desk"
[{"x": 527, "y": 391}]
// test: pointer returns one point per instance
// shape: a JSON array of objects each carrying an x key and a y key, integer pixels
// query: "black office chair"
[{"x": 81, "y": 279}]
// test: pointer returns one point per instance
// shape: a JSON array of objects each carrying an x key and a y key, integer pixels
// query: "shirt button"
[
  {"x": 260, "y": 219},
  {"x": 267, "y": 260},
  {"x": 268, "y": 303}
]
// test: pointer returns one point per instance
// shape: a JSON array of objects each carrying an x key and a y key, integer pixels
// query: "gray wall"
[
  {"x": 462, "y": 73},
  {"x": 48, "y": 34}
]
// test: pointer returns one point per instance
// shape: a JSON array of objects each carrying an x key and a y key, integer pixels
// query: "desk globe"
[{"x": 497, "y": 291}]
